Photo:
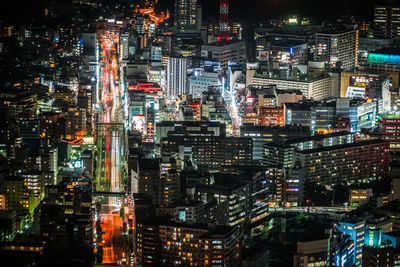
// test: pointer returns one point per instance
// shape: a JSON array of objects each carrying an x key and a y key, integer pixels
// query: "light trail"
[
  {"x": 111, "y": 146},
  {"x": 107, "y": 158}
]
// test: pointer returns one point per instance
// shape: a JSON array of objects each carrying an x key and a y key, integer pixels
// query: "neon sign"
[{"x": 384, "y": 59}]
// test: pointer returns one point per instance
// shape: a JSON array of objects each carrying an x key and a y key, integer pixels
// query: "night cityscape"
[{"x": 209, "y": 133}]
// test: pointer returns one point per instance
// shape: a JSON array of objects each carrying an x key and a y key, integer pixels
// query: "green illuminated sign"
[
  {"x": 293, "y": 21},
  {"x": 384, "y": 59}
]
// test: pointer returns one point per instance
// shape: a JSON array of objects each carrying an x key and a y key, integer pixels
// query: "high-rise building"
[
  {"x": 212, "y": 152},
  {"x": 386, "y": 21},
  {"x": 341, "y": 249},
  {"x": 224, "y": 52},
  {"x": 177, "y": 244},
  {"x": 355, "y": 228},
  {"x": 124, "y": 44},
  {"x": 233, "y": 192},
  {"x": 170, "y": 186},
  {"x": 195, "y": 128},
  {"x": 280, "y": 153},
  {"x": 391, "y": 130},
  {"x": 347, "y": 162},
  {"x": 34, "y": 182},
  {"x": 75, "y": 124},
  {"x": 360, "y": 112},
  {"x": 200, "y": 83},
  {"x": 89, "y": 43},
  {"x": 176, "y": 77},
  {"x": 315, "y": 88},
  {"x": 149, "y": 178},
  {"x": 267, "y": 134},
  {"x": 337, "y": 47},
  {"x": 319, "y": 116},
  {"x": 187, "y": 16},
  {"x": 312, "y": 252},
  {"x": 19, "y": 197}
]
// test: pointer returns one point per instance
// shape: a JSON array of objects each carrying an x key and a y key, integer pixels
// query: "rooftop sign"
[{"x": 384, "y": 59}]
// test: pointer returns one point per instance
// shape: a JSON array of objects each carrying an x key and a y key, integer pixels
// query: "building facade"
[
  {"x": 338, "y": 48},
  {"x": 346, "y": 163},
  {"x": 176, "y": 77}
]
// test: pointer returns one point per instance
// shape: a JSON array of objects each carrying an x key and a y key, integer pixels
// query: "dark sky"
[
  {"x": 240, "y": 9},
  {"x": 259, "y": 9}
]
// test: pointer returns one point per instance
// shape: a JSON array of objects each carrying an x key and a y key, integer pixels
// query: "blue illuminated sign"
[{"x": 384, "y": 59}]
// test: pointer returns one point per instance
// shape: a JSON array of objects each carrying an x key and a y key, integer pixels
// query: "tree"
[
  {"x": 98, "y": 207},
  {"x": 341, "y": 193},
  {"x": 99, "y": 231},
  {"x": 122, "y": 213},
  {"x": 317, "y": 194},
  {"x": 99, "y": 254}
]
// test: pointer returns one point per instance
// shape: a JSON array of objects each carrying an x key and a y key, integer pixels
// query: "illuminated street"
[
  {"x": 200, "y": 133},
  {"x": 111, "y": 225},
  {"x": 110, "y": 140},
  {"x": 110, "y": 128}
]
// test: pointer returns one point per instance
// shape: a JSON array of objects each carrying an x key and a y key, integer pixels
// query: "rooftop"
[
  {"x": 356, "y": 144},
  {"x": 149, "y": 164},
  {"x": 388, "y": 51}
]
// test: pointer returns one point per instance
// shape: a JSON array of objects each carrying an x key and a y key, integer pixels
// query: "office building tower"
[
  {"x": 345, "y": 163},
  {"x": 319, "y": 116},
  {"x": 148, "y": 172},
  {"x": 337, "y": 47},
  {"x": 386, "y": 21},
  {"x": 187, "y": 16},
  {"x": 317, "y": 88},
  {"x": 18, "y": 197},
  {"x": 367, "y": 85},
  {"x": 89, "y": 43},
  {"x": 355, "y": 228},
  {"x": 199, "y": 83},
  {"x": 341, "y": 249},
  {"x": 233, "y": 196},
  {"x": 259, "y": 186},
  {"x": 75, "y": 124},
  {"x": 170, "y": 184},
  {"x": 156, "y": 53},
  {"x": 361, "y": 112},
  {"x": 165, "y": 128},
  {"x": 391, "y": 130},
  {"x": 179, "y": 244},
  {"x": 213, "y": 152},
  {"x": 268, "y": 134},
  {"x": 176, "y": 77},
  {"x": 312, "y": 251},
  {"x": 124, "y": 45},
  {"x": 224, "y": 52}
]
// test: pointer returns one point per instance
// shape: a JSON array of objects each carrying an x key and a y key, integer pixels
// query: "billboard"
[
  {"x": 384, "y": 59},
  {"x": 353, "y": 91},
  {"x": 386, "y": 95},
  {"x": 262, "y": 55},
  {"x": 372, "y": 237},
  {"x": 359, "y": 81}
]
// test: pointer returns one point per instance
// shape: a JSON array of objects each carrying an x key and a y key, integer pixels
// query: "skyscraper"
[
  {"x": 176, "y": 77},
  {"x": 187, "y": 16},
  {"x": 386, "y": 21},
  {"x": 337, "y": 47}
]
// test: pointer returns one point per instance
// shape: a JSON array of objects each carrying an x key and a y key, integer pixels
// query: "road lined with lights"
[
  {"x": 110, "y": 145},
  {"x": 112, "y": 135}
]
